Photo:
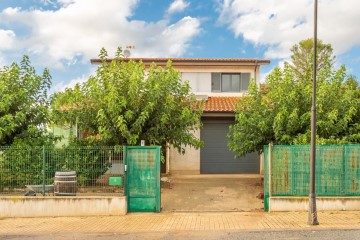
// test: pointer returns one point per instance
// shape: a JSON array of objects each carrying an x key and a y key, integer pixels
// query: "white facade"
[{"x": 200, "y": 81}]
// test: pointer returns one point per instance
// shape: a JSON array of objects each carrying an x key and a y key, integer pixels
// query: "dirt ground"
[{"x": 207, "y": 193}]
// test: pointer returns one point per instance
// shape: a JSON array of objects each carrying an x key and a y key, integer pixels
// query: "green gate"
[{"x": 142, "y": 186}]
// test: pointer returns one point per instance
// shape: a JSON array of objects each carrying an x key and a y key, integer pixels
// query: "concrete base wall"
[
  {"x": 62, "y": 206},
  {"x": 287, "y": 204},
  {"x": 185, "y": 163}
]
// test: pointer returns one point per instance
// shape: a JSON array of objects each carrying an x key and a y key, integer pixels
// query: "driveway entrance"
[{"x": 211, "y": 193}]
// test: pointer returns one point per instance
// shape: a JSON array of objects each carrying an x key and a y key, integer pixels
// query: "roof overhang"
[
  {"x": 218, "y": 114},
  {"x": 193, "y": 61}
]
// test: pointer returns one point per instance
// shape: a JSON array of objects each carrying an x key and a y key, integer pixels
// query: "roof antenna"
[{"x": 127, "y": 52}]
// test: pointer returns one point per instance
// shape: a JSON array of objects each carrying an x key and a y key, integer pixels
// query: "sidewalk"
[{"x": 166, "y": 222}]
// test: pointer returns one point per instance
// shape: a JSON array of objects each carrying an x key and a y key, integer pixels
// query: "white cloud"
[
  {"x": 61, "y": 86},
  {"x": 281, "y": 24},
  {"x": 7, "y": 39},
  {"x": 169, "y": 41},
  {"x": 177, "y": 6},
  {"x": 80, "y": 28}
]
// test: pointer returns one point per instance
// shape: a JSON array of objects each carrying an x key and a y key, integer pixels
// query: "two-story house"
[{"x": 221, "y": 82}]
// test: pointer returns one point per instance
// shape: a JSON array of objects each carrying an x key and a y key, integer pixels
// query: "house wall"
[
  {"x": 200, "y": 77},
  {"x": 189, "y": 163}
]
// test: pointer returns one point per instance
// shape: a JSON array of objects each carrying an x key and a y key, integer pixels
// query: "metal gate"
[{"x": 142, "y": 186}]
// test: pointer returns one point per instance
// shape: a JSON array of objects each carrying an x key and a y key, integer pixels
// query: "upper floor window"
[{"x": 230, "y": 82}]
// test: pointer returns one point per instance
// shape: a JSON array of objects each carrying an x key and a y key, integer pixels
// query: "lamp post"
[{"x": 312, "y": 217}]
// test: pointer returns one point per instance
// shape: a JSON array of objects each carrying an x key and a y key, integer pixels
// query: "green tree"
[
  {"x": 303, "y": 56},
  {"x": 125, "y": 103},
  {"x": 23, "y": 104},
  {"x": 281, "y": 115}
]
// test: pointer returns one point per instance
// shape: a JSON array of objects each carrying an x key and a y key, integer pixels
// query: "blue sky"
[{"x": 64, "y": 35}]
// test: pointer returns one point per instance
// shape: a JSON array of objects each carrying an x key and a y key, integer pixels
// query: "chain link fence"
[{"x": 21, "y": 167}]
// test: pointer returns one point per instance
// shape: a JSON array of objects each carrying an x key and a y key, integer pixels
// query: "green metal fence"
[
  {"x": 21, "y": 166},
  {"x": 287, "y": 167}
]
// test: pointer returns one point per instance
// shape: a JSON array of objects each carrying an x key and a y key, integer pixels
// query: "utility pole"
[{"x": 312, "y": 217}]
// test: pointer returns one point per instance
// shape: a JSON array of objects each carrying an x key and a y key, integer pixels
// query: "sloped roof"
[
  {"x": 194, "y": 61},
  {"x": 220, "y": 104},
  {"x": 212, "y": 104}
]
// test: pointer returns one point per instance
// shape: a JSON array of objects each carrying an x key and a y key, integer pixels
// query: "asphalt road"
[{"x": 208, "y": 235}]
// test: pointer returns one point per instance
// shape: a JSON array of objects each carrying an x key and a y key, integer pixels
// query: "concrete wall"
[
  {"x": 287, "y": 204},
  {"x": 187, "y": 163},
  {"x": 62, "y": 206}
]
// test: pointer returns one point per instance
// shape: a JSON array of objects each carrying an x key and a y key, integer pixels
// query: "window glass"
[
  {"x": 215, "y": 82},
  {"x": 235, "y": 83},
  {"x": 245, "y": 81},
  {"x": 226, "y": 83}
]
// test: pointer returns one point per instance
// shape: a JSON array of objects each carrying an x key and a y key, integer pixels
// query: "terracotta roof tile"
[
  {"x": 220, "y": 104},
  {"x": 212, "y": 104}
]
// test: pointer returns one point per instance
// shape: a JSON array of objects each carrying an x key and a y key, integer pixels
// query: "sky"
[{"x": 63, "y": 35}]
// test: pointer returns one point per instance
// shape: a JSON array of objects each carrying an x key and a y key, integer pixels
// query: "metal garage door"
[{"x": 215, "y": 157}]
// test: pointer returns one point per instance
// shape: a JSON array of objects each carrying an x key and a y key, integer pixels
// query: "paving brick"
[{"x": 161, "y": 222}]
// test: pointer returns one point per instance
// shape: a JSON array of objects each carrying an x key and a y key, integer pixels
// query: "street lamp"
[{"x": 312, "y": 217}]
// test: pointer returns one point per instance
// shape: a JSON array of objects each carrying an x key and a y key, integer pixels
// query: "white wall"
[{"x": 187, "y": 163}]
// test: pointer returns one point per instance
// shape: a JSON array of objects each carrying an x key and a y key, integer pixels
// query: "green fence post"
[
  {"x": 344, "y": 171},
  {"x": 125, "y": 172},
  {"x": 43, "y": 170}
]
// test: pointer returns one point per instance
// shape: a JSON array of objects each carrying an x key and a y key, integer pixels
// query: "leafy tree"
[
  {"x": 125, "y": 103},
  {"x": 303, "y": 55},
  {"x": 282, "y": 114},
  {"x": 23, "y": 105}
]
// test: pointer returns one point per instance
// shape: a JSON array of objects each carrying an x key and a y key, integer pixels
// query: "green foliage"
[
  {"x": 282, "y": 114},
  {"x": 303, "y": 56},
  {"x": 20, "y": 166},
  {"x": 89, "y": 162},
  {"x": 125, "y": 103},
  {"x": 23, "y": 105}
]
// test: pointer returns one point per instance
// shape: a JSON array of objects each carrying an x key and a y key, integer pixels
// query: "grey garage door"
[{"x": 215, "y": 157}]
